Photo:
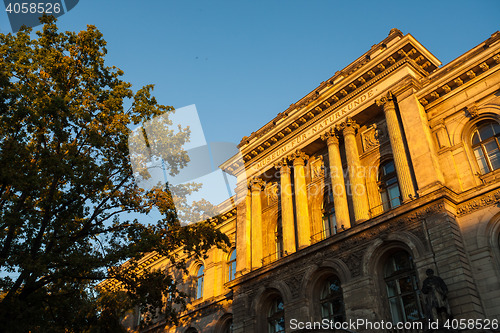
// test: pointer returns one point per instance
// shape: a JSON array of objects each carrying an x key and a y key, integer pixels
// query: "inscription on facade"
[{"x": 315, "y": 130}]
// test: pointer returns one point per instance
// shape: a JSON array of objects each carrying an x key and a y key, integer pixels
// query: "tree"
[{"x": 66, "y": 182}]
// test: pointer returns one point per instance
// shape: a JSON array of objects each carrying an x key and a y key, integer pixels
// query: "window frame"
[
  {"x": 231, "y": 265},
  {"x": 331, "y": 298},
  {"x": 396, "y": 277},
  {"x": 384, "y": 187},
  {"x": 200, "y": 288},
  {"x": 274, "y": 316},
  {"x": 482, "y": 143}
]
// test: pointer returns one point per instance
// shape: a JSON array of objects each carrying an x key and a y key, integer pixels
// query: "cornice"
[
  {"x": 461, "y": 72},
  {"x": 469, "y": 75},
  {"x": 345, "y": 84},
  {"x": 153, "y": 258},
  {"x": 269, "y": 136}
]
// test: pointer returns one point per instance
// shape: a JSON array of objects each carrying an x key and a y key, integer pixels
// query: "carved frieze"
[
  {"x": 294, "y": 283},
  {"x": 353, "y": 262},
  {"x": 478, "y": 203}
]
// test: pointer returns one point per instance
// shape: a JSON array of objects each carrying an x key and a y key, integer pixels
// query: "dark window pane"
[
  {"x": 405, "y": 284},
  {"x": 411, "y": 308},
  {"x": 475, "y": 138},
  {"x": 388, "y": 168},
  {"x": 496, "y": 128},
  {"x": 486, "y": 131}
]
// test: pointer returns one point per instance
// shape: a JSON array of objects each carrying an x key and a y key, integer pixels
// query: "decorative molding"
[
  {"x": 477, "y": 203},
  {"x": 460, "y": 79},
  {"x": 471, "y": 111},
  {"x": 335, "y": 99},
  {"x": 471, "y": 74}
]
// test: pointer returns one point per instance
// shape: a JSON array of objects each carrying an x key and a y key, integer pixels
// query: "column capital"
[
  {"x": 349, "y": 126},
  {"x": 282, "y": 165},
  {"x": 331, "y": 137},
  {"x": 298, "y": 157},
  {"x": 256, "y": 184},
  {"x": 386, "y": 101}
]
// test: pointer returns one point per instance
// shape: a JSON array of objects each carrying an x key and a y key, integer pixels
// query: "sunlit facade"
[{"x": 346, "y": 198}]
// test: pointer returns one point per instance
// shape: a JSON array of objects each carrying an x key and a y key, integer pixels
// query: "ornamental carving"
[
  {"x": 294, "y": 283},
  {"x": 386, "y": 101},
  {"x": 471, "y": 111},
  {"x": 476, "y": 204},
  {"x": 282, "y": 165},
  {"x": 348, "y": 126},
  {"x": 271, "y": 192},
  {"x": 317, "y": 168},
  {"x": 330, "y": 136},
  {"x": 256, "y": 184},
  {"x": 353, "y": 262},
  {"x": 298, "y": 157},
  {"x": 422, "y": 213},
  {"x": 373, "y": 136}
]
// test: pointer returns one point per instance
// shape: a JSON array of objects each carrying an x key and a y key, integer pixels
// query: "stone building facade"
[{"x": 387, "y": 169}]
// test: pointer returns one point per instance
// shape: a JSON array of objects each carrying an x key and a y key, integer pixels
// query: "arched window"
[
  {"x": 388, "y": 186},
  {"x": 332, "y": 300},
  {"x": 276, "y": 316},
  {"x": 486, "y": 147},
  {"x": 329, "y": 220},
  {"x": 225, "y": 324},
  {"x": 228, "y": 326},
  {"x": 200, "y": 277},
  {"x": 191, "y": 330},
  {"x": 402, "y": 288},
  {"x": 231, "y": 266}
]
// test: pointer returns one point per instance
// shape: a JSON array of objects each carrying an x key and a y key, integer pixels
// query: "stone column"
[
  {"x": 243, "y": 229},
  {"x": 256, "y": 185},
  {"x": 398, "y": 148},
  {"x": 356, "y": 172},
  {"x": 337, "y": 179},
  {"x": 287, "y": 219},
  {"x": 301, "y": 204},
  {"x": 248, "y": 231}
]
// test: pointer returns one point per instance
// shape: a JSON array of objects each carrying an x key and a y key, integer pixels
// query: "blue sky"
[{"x": 242, "y": 62}]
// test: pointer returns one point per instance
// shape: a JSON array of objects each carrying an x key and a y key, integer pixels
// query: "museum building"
[{"x": 387, "y": 169}]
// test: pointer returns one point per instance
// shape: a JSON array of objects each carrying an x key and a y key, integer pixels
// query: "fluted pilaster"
[
  {"x": 337, "y": 180},
  {"x": 356, "y": 172},
  {"x": 256, "y": 186},
  {"x": 243, "y": 229},
  {"x": 398, "y": 148},
  {"x": 299, "y": 159}
]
